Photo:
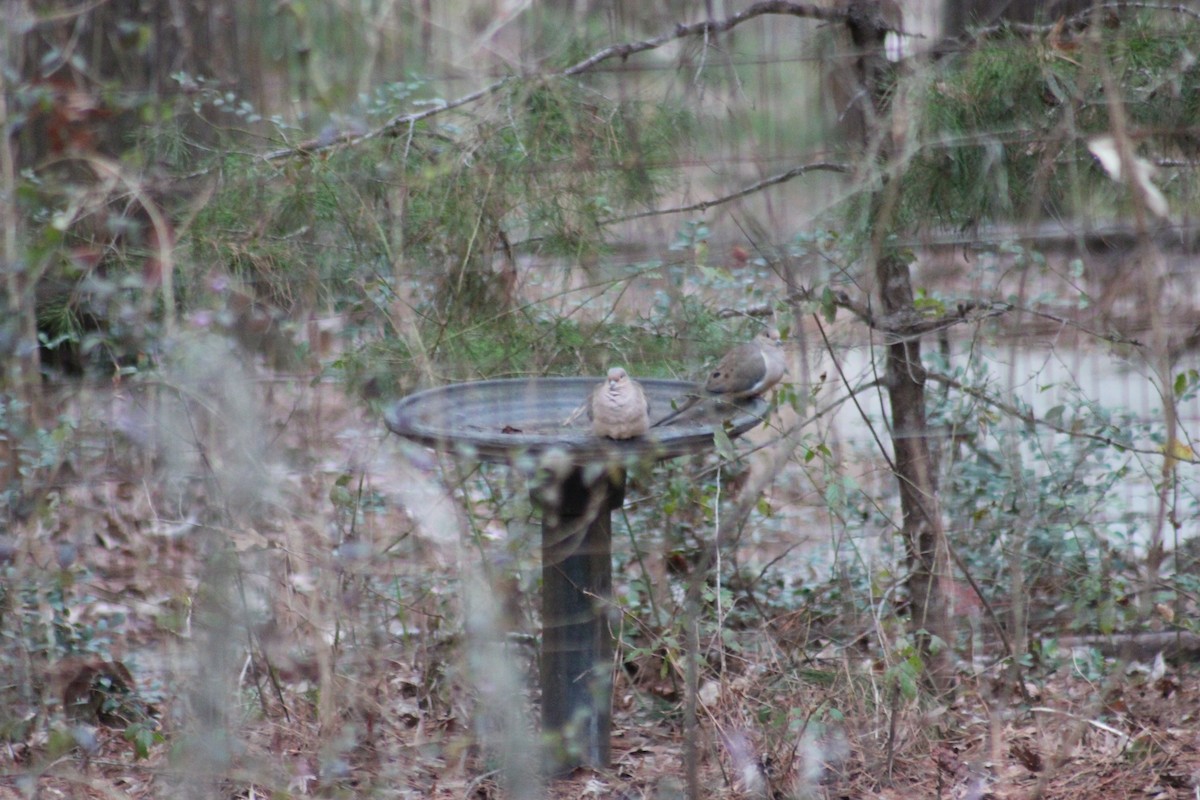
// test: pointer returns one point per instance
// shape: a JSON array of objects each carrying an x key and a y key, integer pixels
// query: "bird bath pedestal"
[{"x": 519, "y": 422}]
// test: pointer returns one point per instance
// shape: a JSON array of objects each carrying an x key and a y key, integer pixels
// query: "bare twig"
[
  {"x": 707, "y": 28},
  {"x": 391, "y": 127},
  {"x": 704, "y": 205},
  {"x": 912, "y": 324},
  {"x": 1112, "y": 337}
]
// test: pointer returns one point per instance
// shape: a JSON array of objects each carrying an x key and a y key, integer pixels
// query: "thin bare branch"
[
  {"x": 707, "y": 28},
  {"x": 964, "y": 313},
  {"x": 912, "y": 323},
  {"x": 704, "y": 205},
  {"x": 391, "y": 127},
  {"x": 908, "y": 325},
  {"x": 1031, "y": 419},
  {"x": 1113, "y": 337}
]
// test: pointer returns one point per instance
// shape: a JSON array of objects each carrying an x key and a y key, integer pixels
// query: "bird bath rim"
[{"x": 500, "y": 420}]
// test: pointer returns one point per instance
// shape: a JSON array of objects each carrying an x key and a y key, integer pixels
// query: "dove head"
[
  {"x": 770, "y": 336},
  {"x": 616, "y": 376}
]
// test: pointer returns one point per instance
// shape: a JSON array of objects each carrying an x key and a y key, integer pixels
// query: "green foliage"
[
  {"x": 143, "y": 736},
  {"x": 1002, "y": 127},
  {"x": 1053, "y": 495},
  {"x": 41, "y": 628},
  {"x": 905, "y": 673},
  {"x": 565, "y": 157},
  {"x": 1186, "y": 384},
  {"x": 58, "y": 635},
  {"x": 35, "y": 453},
  {"x": 507, "y": 345},
  {"x": 432, "y": 218}
]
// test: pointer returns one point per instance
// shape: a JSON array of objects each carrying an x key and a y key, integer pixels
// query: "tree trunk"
[
  {"x": 869, "y": 22},
  {"x": 924, "y": 535}
]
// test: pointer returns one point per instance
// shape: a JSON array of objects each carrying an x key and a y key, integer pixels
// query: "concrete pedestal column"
[{"x": 577, "y": 642}]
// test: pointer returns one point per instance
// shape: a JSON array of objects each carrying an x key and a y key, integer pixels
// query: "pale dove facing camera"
[
  {"x": 618, "y": 407},
  {"x": 748, "y": 370}
]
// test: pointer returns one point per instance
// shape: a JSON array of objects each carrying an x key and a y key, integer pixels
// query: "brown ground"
[{"x": 328, "y": 659}]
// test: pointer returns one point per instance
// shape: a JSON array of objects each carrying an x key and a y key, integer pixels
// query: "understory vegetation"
[{"x": 221, "y": 576}]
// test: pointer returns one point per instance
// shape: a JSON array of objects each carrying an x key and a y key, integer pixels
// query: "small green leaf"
[
  {"x": 143, "y": 737},
  {"x": 1184, "y": 380},
  {"x": 723, "y": 444},
  {"x": 828, "y": 305},
  {"x": 59, "y": 742}
]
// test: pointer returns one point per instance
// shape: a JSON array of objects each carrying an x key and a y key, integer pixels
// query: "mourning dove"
[
  {"x": 748, "y": 370},
  {"x": 618, "y": 407}
]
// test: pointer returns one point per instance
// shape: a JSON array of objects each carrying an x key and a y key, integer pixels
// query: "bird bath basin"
[{"x": 520, "y": 422}]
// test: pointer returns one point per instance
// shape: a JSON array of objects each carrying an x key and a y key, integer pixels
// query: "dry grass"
[{"x": 307, "y": 608}]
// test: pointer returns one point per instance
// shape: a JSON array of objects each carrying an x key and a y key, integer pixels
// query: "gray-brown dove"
[
  {"x": 618, "y": 407},
  {"x": 748, "y": 370}
]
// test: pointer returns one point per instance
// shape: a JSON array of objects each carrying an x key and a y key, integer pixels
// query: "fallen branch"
[{"x": 1138, "y": 646}]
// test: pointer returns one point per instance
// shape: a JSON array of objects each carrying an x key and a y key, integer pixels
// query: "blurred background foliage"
[
  {"x": 299, "y": 181},
  {"x": 261, "y": 135}
]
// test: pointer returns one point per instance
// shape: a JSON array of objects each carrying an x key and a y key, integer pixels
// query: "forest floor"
[{"x": 328, "y": 658}]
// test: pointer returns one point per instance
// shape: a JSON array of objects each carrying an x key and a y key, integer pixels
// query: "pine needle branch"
[{"x": 396, "y": 124}]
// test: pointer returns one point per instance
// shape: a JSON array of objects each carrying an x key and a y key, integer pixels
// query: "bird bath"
[{"x": 580, "y": 480}]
